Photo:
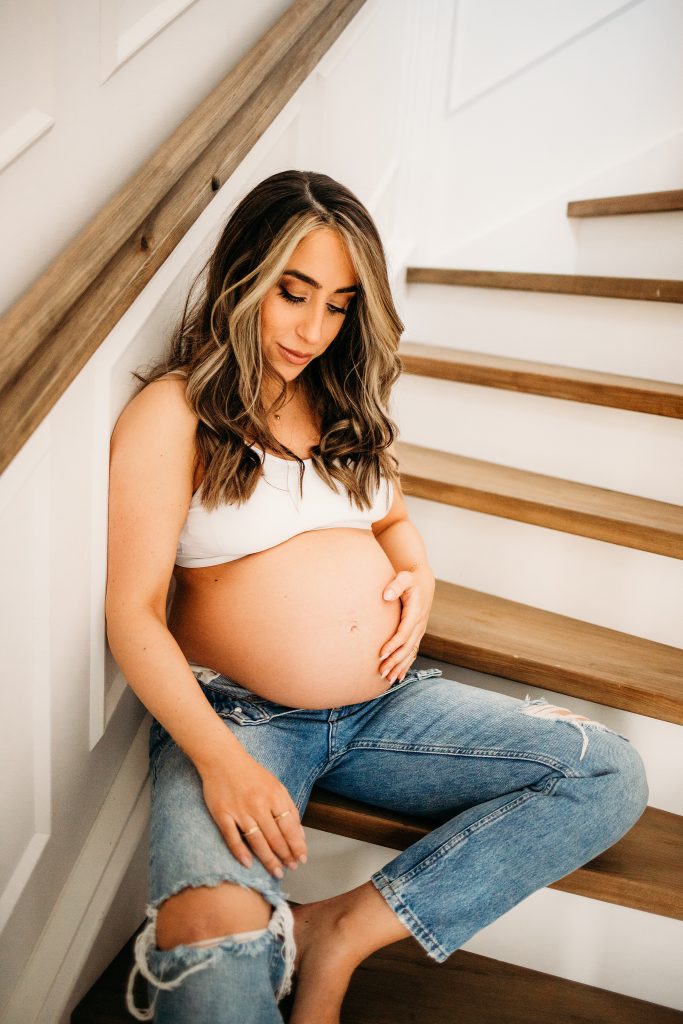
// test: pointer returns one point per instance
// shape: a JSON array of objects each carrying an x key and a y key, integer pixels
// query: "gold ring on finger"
[
  {"x": 251, "y": 831},
  {"x": 276, "y": 816}
]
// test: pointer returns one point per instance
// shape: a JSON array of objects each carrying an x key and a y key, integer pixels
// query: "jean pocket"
[
  {"x": 411, "y": 676},
  {"x": 427, "y": 673},
  {"x": 252, "y": 712},
  {"x": 232, "y": 701}
]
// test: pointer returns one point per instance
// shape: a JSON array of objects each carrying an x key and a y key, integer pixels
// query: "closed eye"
[{"x": 300, "y": 298}]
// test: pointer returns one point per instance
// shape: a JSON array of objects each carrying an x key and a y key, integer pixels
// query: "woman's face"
[{"x": 304, "y": 312}]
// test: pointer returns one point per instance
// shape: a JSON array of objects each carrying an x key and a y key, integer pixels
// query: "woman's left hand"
[{"x": 415, "y": 589}]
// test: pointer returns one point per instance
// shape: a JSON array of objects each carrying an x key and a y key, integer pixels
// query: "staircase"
[{"x": 491, "y": 634}]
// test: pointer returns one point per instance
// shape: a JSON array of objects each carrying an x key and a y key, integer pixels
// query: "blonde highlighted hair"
[{"x": 216, "y": 345}]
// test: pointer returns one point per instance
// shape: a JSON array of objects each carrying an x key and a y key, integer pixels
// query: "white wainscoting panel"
[
  {"x": 25, "y": 696},
  {"x": 128, "y": 25}
]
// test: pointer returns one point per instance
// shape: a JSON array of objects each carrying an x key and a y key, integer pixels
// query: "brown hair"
[{"x": 216, "y": 345}]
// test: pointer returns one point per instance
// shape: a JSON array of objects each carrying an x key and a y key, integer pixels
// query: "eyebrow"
[{"x": 309, "y": 280}]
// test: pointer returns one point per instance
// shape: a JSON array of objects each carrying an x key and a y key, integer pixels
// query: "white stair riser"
[
  {"x": 618, "y": 449},
  {"x": 638, "y": 338},
  {"x": 638, "y": 245},
  {"x": 616, "y": 587}
]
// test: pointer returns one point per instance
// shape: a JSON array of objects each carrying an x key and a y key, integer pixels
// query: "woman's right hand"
[{"x": 240, "y": 794}]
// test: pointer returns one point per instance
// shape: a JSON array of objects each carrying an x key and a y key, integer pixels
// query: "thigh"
[
  {"x": 186, "y": 846},
  {"x": 437, "y": 746}
]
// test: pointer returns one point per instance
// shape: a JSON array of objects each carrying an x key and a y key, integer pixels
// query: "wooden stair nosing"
[
  {"x": 644, "y": 202},
  {"x": 639, "y": 871},
  {"x": 498, "y": 636},
  {"x": 638, "y": 288},
  {"x": 659, "y": 398},
  {"x": 627, "y": 520}
]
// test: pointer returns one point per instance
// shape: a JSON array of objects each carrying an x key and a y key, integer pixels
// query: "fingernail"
[
  {"x": 278, "y": 872},
  {"x": 246, "y": 861},
  {"x": 389, "y": 594},
  {"x": 303, "y": 858}
]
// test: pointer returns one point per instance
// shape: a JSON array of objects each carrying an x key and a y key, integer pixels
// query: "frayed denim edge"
[{"x": 281, "y": 925}]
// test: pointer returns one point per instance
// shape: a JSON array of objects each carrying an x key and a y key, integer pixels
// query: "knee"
[
  {"x": 627, "y": 796},
  {"x": 207, "y": 912}
]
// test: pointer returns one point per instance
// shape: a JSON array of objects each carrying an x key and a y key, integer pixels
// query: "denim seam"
[
  {"x": 162, "y": 746},
  {"x": 307, "y": 785},
  {"x": 408, "y": 917},
  {"x": 414, "y": 748},
  {"x": 464, "y": 834}
]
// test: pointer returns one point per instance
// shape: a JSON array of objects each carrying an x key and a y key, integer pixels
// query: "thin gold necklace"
[{"x": 276, "y": 415}]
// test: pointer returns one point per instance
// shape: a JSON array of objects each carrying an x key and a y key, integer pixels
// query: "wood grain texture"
[
  {"x": 401, "y": 984},
  {"x": 657, "y": 397},
  {"x": 610, "y": 206},
  {"x": 49, "y": 334},
  {"x": 641, "y": 871},
  {"x": 624, "y": 519},
  {"x": 640, "y": 288},
  {"x": 561, "y": 654}
]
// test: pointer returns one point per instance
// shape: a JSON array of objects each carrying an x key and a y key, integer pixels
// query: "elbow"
[{"x": 123, "y": 616}]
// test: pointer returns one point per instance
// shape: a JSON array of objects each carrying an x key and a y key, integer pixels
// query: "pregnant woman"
[{"x": 255, "y": 467}]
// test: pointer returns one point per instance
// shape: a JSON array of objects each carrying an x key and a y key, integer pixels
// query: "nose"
[{"x": 310, "y": 327}]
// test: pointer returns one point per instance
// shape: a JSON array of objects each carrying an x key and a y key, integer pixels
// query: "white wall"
[
  {"x": 89, "y": 90},
  {"x": 442, "y": 183},
  {"x": 538, "y": 101}
]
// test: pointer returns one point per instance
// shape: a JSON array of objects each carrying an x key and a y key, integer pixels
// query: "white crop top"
[{"x": 273, "y": 514}]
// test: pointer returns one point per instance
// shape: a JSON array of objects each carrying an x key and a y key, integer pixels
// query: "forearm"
[
  {"x": 405, "y": 549},
  {"x": 157, "y": 670}
]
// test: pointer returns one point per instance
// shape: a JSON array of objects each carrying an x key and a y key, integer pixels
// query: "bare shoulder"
[{"x": 159, "y": 407}]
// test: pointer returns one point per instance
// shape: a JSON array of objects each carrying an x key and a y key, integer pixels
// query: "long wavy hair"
[{"x": 216, "y": 346}]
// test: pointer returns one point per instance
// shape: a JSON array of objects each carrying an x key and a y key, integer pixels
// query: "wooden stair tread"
[
  {"x": 564, "y": 655},
  {"x": 625, "y": 519},
  {"x": 658, "y": 397},
  {"x": 640, "y": 288},
  {"x": 644, "y": 202},
  {"x": 401, "y": 984},
  {"x": 641, "y": 871}
]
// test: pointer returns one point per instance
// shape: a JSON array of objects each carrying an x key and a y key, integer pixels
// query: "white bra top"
[{"x": 273, "y": 514}]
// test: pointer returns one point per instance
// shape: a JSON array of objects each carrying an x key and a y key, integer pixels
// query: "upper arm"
[
  {"x": 397, "y": 509},
  {"x": 151, "y": 471}
]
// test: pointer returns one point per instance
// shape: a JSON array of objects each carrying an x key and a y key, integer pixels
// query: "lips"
[{"x": 297, "y": 358}]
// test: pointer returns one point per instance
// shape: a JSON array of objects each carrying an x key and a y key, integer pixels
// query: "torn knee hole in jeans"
[
  {"x": 197, "y": 956},
  {"x": 540, "y": 708}
]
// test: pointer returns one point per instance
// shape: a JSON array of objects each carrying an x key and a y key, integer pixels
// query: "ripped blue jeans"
[{"x": 521, "y": 793}]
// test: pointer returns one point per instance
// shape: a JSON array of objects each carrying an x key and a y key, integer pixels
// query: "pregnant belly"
[{"x": 301, "y": 623}]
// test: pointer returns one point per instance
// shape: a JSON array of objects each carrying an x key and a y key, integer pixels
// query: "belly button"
[{"x": 354, "y": 627}]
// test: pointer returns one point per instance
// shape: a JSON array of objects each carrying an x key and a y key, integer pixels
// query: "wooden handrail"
[{"x": 52, "y": 330}]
